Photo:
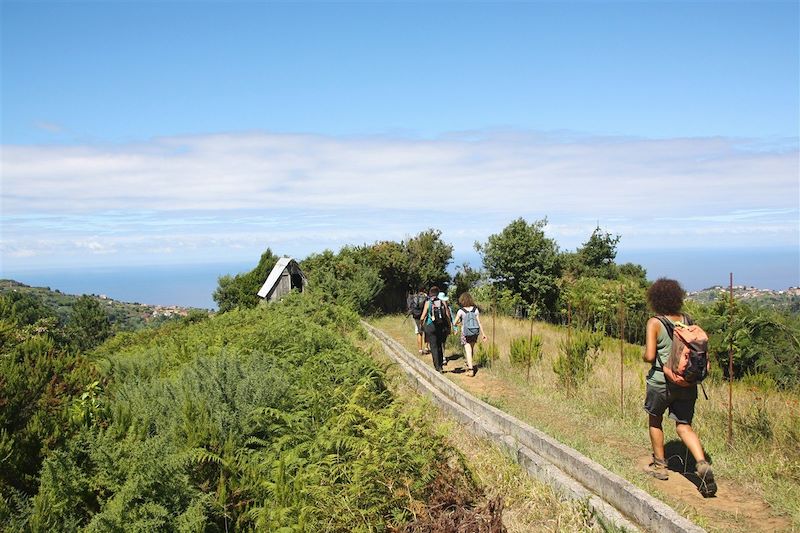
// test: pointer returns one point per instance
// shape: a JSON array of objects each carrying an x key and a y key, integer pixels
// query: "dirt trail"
[{"x": 732, "y": 509}]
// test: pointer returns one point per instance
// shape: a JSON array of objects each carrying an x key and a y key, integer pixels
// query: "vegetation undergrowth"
[
  {"x": 762, "y": 463},
  {"x": 264, "y": 419}
]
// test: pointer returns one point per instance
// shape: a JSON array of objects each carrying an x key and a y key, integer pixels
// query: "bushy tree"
[
  {"x": 521, "y": 258},
  {"x": 633, "y": 271},
  {"x": 88, "y": 324},
  {"x": 593, "y": 258},
  {"x": 344, "y": 278},
  {"x": 379, "y": 276},
  {"x": 465, "y": 279},
  {"x": 595, "y": 304},
  {"x": 241, "y": 290},
  {"x": 764, "y": 341},
  {"x": 391, "y": 261},
  {"x": 24, "y": 308},
  {"x": 428, "y": 257},
  {"x": 38, "y": 380},
  {"x": 599, "y": 252}
]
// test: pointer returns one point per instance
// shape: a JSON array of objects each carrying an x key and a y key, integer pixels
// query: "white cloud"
[
  {"x": 503, "y": 172},
  {"x": 245, "y": 191}
]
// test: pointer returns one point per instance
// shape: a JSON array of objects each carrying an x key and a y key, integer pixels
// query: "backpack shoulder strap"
[{"x": 668, "y": 325}]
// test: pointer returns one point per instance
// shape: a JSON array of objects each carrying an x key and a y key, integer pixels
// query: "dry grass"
[
  {"x": 763, "y": 463},
  {"x": 529, "y": 505}
]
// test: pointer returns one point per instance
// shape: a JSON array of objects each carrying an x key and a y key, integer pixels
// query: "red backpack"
[{"x": 687, "y": 363}]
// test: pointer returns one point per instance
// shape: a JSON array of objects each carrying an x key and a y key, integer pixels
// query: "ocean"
[{"x": 184, "y": 285}]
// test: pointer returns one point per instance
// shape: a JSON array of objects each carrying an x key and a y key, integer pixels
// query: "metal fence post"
[{"x": 730, "y": 366}]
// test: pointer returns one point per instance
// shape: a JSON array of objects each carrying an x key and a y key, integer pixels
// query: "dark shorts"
[{"x": 679, "y": 400}]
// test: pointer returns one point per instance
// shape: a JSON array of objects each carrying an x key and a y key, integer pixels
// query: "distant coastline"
[{"x": 166, "y": 285}]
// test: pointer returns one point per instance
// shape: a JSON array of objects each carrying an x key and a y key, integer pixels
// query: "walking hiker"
[
  {"x": 443, "y": 297},
  {"x": 414, "y": 305},
  {"x": 436, "y": 323},
  {"x": 469, "y": 318},
  {"x": 665, "y": 298}
]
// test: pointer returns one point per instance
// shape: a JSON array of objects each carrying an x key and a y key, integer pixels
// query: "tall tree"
[
  {"x": 391, "y": 261},
  {"x": 428, "y": 257},
  {"x": 598, "y": 253},
  {"x": 521, "y": 258}
]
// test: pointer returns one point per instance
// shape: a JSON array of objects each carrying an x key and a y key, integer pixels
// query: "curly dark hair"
[{"x": 665, "y": 296}]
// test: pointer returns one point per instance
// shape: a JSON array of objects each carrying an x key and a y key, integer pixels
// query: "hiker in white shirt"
[{"x": 469, "y": 319}]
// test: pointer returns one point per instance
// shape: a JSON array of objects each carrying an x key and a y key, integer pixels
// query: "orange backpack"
[{"x": 687, "y": 363}]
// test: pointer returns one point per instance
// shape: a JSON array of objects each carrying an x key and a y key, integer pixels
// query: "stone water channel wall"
[{"x": 615, "y": 500}]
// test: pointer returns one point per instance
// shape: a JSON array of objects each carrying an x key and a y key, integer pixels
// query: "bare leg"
[
  {"x": 657, "y": 436},
  {"x": 419, "y": 342},
  {"x": 468, "y": 354},
  {"x": 690, "y": 439}
]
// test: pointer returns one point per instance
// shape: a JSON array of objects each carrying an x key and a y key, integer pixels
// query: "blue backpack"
[{"x": 471, "y": 326}]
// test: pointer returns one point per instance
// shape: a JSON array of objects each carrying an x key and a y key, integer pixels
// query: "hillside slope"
[{"x": 125, "y": 316}]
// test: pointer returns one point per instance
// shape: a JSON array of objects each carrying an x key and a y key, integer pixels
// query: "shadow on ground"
[{"x": 681, "y": 461}]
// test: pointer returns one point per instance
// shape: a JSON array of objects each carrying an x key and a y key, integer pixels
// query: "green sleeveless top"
[{"x": 656, "y": 376}]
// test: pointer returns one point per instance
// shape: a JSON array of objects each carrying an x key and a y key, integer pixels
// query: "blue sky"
[{"x": 190, "y": 132}]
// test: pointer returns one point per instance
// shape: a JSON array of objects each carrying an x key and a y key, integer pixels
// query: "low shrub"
[
  {"x": 525, "y": 351},
  {"x": 262, "y": 419},
  {"x": 576, "y": 358},
  {"x": 486, "y": 354}
]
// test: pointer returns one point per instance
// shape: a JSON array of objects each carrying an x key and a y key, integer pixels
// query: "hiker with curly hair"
[{"x": 665, "y": 298}]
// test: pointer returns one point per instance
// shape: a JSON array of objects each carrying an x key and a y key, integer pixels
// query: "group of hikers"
[
  {"x": 675, "y": 348},
  {"x": 434, "y": 321}
]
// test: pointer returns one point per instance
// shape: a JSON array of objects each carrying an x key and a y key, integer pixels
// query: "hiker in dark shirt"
[
  {"x": 665, "y": 297},
  {"x": 436, "y": 322}
]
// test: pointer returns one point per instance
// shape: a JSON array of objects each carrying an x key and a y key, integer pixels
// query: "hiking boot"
[
  {"x": 708, "y": 487},
  {"x": 658, "y": 469}
]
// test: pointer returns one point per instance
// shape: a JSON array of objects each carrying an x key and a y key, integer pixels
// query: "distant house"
[{"x": 285, "y": 276}]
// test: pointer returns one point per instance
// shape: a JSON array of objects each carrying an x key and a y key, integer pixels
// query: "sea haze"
[
  {"x": 184, "y": 285},
  {"x": 765, "y": 268},
  {"x": 193, "y": 285}
]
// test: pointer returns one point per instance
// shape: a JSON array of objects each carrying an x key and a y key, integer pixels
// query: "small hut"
[{"x": 285, "y": 276}]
